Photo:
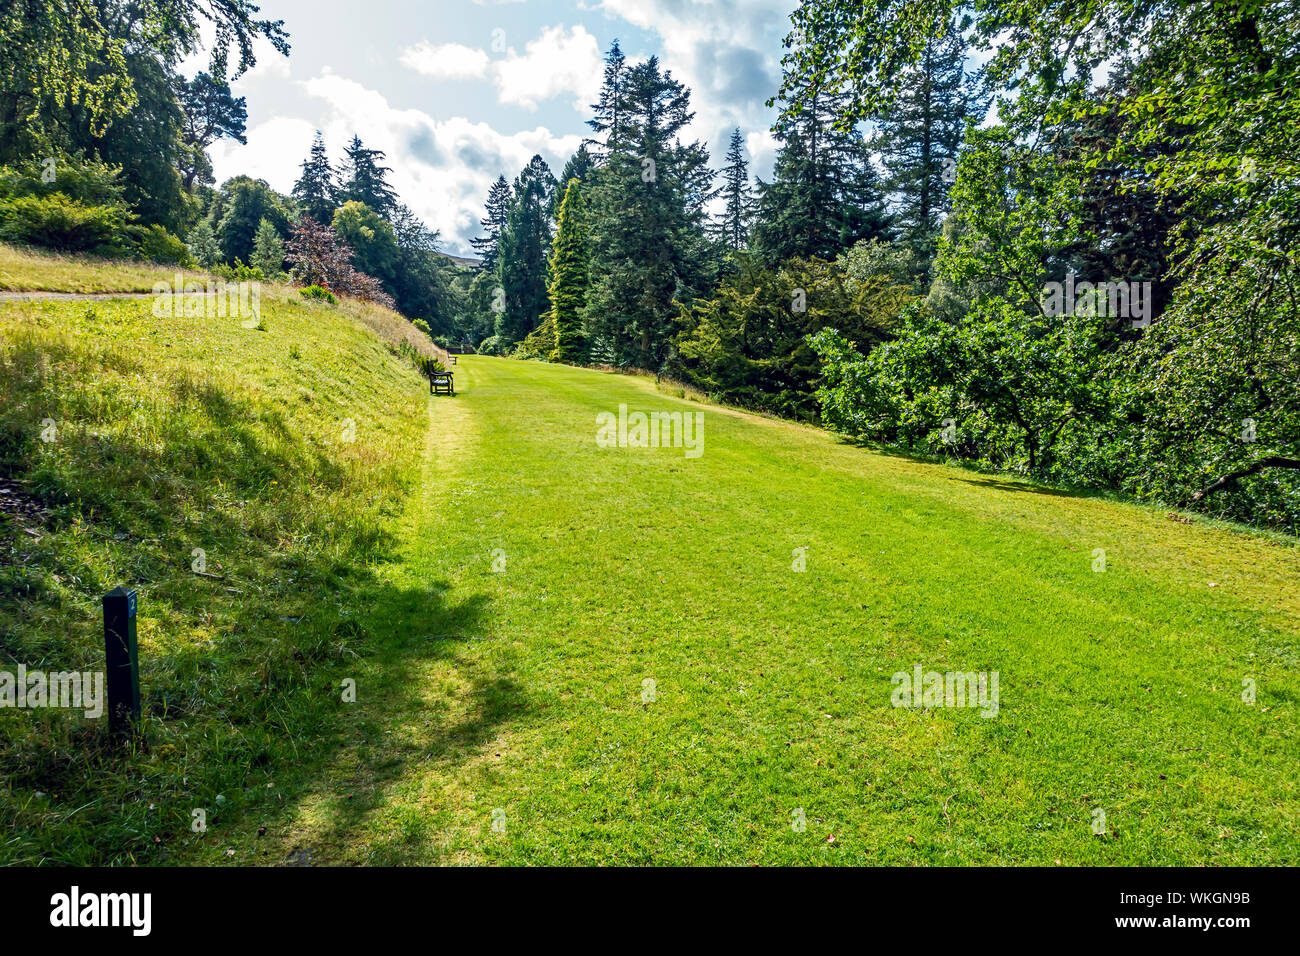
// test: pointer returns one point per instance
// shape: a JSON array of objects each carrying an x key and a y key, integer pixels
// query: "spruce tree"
[
  {"x": 825, "y": 194},
  {"x": 494, "y": 223},
  {"x": 920, "y": 132},
  {"x": 365, "y": 179},
  {"x": 578, "y": 167},
  {"x": 647, "y": 211},
  {"x": 315, "y": 189},
  {"x": 733, "y": 230},
  {"x": 522, "y": 252},
  {"x": 268, "y": 249},
  {"x": 568, "y": 286}
]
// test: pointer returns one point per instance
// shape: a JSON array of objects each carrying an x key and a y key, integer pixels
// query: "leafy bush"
[
  {"x": 316, "y": 292},
  {"x": 57, "y": 222},
  {"x": 493, "y": 345},
  {"x": 423, "y": 326},
  {"x": 64, "y": 203},
  {"x": 156, "y": 244}
]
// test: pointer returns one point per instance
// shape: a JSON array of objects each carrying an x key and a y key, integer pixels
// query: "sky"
[{"x": 459, "y": 93}]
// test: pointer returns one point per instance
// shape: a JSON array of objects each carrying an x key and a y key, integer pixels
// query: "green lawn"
[
  {"x": 519, "y": 695},
  {"x": 521, "y": 691}
]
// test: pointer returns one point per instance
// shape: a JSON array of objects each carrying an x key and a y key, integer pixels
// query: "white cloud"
[
  {"x": 448, "y": 61},
  {"x": 728, "y": 52},
  {"x": 273, "y": 152},
  {"x": 559, "y": 61},
  {"x": 440, "y": 168}
]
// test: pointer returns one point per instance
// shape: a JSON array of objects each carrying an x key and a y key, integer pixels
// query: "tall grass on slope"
[{"x": 271, "y": 459}]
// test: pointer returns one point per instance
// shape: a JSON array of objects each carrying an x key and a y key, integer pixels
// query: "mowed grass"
[
  {"x": 500, "y": 590},
  {"x": 284, "y": 453},
  {"x": 503, "y": 716},
  {"x": 26, "y": 270}
]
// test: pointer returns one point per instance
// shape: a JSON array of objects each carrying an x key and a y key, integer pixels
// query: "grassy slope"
[
  {"x": 171, "y": 435},
  {"x": 24, "y": 271},
  {"x": 521, "y": 691}
]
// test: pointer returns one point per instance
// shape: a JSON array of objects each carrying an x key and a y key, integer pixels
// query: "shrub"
[
  {"x": 423, "y": 326},
  {"x": 64, "y": 224},
  {"x": 156, "y": 244},
  {"x": 65, "y": 203},
  {"x": 316, "y": 292}
]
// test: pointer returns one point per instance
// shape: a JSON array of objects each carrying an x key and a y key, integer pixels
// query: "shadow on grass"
[{"x": 241, "y": 668}]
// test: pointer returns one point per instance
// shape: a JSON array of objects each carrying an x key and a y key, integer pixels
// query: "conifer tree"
[
  {"x": 920, "y": 132},
  {"x": 733, "y": 230},
  {"x": 494, "y": 223},
  {"x": 647, "y": 212},
  {"x": 365, "y": 179},
  {"x": 825, "y": 195},
  {"x": 568, "y": 286},
  {"x": 522, "y": 252},
  {"x": 315, "y": 189}
]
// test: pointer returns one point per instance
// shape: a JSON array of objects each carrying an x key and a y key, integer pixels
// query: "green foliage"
[
  {"x": 316, "y": 292},
  {"x": 568, "y": 287},
  {"x": 57, "y": 222},
  {"x": 525, "y": 240},
  {"x": 747, "y": 345},
  {"x": 268, "y": 249},
  {"x": 156, "y": 244},
  {"x": 316, "y": 188},
  {"x": 826, "y": 194},
  {"x": 648, "y": 248},
  {"x": 364, "y": 179},
  {"x": 203, "y": 246},
  {"x": 246, "y": 203}
]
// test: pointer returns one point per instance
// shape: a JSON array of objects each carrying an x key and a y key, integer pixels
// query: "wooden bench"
[{"x": 440, "y": 383}]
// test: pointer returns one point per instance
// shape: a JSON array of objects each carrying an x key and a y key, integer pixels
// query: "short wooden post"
[{"x": 123, "y": 670}]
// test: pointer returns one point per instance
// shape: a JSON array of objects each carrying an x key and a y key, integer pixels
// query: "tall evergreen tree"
[
  {"x": 578, "y": 167},
  {"x": 610, "y": 110},
  {"x": 316, "y": 188},
  {"x": 733, "y": 230},
  {"x": 365, "y": 179},
  {"x": 568, "y": 286},
  {"x": 825, "y": 195},
  {"x": 647, "y": 208},
  {"x": 920, "y": 132},
  {"x": 522, "y": 252},
  {"x": 494, "y": 223}
]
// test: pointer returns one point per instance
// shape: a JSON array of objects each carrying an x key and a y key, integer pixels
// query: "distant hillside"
[{"x": 462, "y": 262}]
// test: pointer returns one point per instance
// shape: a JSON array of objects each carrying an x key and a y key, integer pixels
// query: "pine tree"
[
  {"x": 494, "y": 223},
  {"x": 825, "y": 195},
  {"x": 733, "y": 230},
  {"x": 522, "y": 252},
  {"x": 578, "y": 167},
  {"x": 364, "y": 179},
  {"x": 315, "y": 189},
  {"x": 203, "y": 245},
  {"x": 568, "y": 286},
  {"x": 647, "y": 212},
  {"x": 268, "y": 249},
  {"x": 610, "y": 110},
  {"x": 921, "y": 131}
]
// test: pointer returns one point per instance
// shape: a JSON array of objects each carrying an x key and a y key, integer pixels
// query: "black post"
[{"x": 123, "y": 675}]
